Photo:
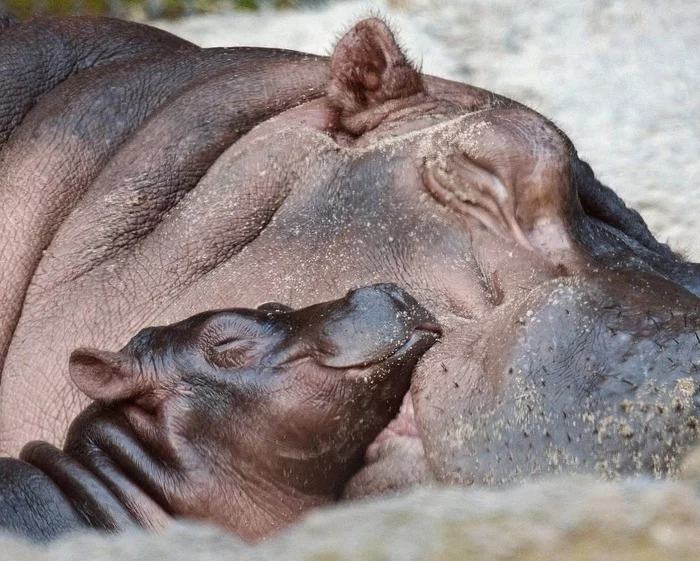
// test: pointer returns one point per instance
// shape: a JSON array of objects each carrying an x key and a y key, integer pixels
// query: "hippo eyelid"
[
  {"x": 231, "y": 353},
  {"x": 223, "y": 330},
  {"x": 228, "y": 344}
]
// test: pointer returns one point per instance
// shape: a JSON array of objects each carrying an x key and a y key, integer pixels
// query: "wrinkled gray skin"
[{"x": 571, "y": 336}]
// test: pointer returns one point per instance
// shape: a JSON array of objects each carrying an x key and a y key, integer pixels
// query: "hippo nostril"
[{"x": 393, "y": 291}]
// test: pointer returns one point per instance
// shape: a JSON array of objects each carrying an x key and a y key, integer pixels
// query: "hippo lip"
[
  {"x": 420, "y": 333},
  {"x": 402, "y": 426},
  {"x": 427, "y": 332}
]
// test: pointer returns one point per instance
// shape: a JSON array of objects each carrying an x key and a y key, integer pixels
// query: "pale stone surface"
[
  {"x": 620, "y": 77},
  {"x": 565, "y": 518}
]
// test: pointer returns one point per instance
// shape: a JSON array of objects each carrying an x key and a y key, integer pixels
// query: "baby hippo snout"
[{"x": 369, "y": 325}]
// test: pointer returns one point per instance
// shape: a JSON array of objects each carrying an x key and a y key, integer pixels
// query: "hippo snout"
[{"x": 372, "y": 324}]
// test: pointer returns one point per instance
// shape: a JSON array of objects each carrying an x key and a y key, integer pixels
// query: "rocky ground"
[
  {"x": 619, "y": 76},
  {"x": 564, "y": 519}
]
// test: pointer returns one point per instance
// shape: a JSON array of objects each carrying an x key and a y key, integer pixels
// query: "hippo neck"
[{"x": 89, "y": 473}]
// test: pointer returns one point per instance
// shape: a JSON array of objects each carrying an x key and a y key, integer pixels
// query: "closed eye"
[
  {"x": 230, "y": 344},
  {"x": 231, "y": 353}
]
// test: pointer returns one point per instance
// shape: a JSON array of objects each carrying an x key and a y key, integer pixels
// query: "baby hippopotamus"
[{"x": 246, "y": 418}]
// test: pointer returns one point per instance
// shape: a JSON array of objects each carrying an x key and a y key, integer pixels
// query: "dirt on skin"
[{"x": 619, "y": 77}]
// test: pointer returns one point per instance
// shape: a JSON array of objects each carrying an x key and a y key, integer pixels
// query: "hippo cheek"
[
  {"x": 452, "y": 387},
  {"x": 586, "y": 380}
]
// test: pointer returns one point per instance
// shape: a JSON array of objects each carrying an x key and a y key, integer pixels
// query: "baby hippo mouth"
[
  {"x": 411, "y": 349},
  {"x": 422, "y": 334}
]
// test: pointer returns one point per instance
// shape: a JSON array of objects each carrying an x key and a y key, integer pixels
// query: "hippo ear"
[
  {"x": 368, "y": 68},
  {"x": 105, "y": 376}
]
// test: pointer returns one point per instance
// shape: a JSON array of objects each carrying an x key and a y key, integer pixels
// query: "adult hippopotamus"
[
  {"x": 570, "y": 333},
  {"x": 246, "y": 418}
]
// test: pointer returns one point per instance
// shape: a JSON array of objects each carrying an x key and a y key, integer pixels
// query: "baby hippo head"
[{"x": 248, "y": 418}]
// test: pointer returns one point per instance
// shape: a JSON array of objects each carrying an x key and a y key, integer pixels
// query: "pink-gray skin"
[
  {"x": 570, "y": 334},
  {"x": 7, "y": 19},
  {"x": 244, "y": 418}
]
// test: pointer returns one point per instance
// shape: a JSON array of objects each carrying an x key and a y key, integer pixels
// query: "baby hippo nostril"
[
  {"x": 398, "y": 299},
  {"x": 396, "y": 293},
  {"x": 274, "y": 307}
]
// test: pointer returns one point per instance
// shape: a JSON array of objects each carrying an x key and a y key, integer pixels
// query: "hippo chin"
[
  {"x": 570, "y": 333},
  {"x": 246, "y": 418}
]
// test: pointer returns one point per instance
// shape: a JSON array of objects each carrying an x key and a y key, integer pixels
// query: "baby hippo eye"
[
  {"x": 231, "y": 352},
  {"x": 230, "y": 337}
]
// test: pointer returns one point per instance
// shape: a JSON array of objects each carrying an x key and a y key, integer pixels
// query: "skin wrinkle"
[
  {"x": 18, "y": 288},
  {"x": 221, "y": 257},
  {"x": 10, "y": 328},
  {"x": 142, "y": 507},
  {"x": 64, "y": 51}
]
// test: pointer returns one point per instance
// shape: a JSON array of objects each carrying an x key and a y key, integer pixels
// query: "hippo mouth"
[
  {"x": 401, "y": 426},
  {"x": 395, "y": 460},
  {"x": 396, "y": 457},
  {"x": 420, "y": 340},
  {"x": 423, "y": 333},
  {"x": 404, "y": 423}
]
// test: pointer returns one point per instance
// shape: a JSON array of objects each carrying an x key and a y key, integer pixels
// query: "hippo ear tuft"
[
  {"x": 368, "y": 68},
  {"x": 105, "y": 376}
]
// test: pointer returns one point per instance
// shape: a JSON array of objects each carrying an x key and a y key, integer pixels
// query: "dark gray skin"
[
  {"x": 569, "y": 330},
  {"x": 67, "y": 46},
  {"x": 244, "y": 418},
  {"x": 63, "y": 143}
]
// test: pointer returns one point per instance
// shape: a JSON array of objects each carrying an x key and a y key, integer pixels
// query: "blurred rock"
[{"x": 565, "y": 518}]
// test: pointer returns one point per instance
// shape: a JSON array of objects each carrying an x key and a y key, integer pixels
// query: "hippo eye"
[{"x": 231, "y": 353}]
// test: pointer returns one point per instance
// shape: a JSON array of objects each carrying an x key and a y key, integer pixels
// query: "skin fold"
[
  {"x": 244, "y": 418},
  {"x": 570, "y": 334}
]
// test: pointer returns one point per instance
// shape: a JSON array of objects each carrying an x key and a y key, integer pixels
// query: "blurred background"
[
  {"x": 147, "y": 9},
  {"x": 620, "y": 77}
]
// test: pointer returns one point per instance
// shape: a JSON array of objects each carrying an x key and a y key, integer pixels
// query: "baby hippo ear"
[
  {"x": 106, "y": 376},
  {"x": 368, "y": 68}
]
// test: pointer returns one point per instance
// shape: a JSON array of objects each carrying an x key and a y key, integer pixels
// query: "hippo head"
[
  {"x": 571, "y": 334},
  {"x": 257, "y": 414}
]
